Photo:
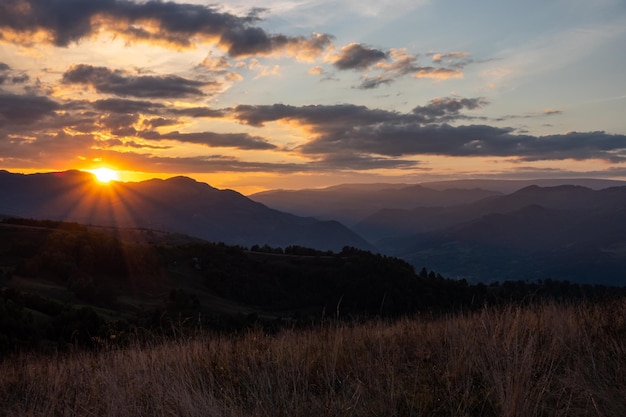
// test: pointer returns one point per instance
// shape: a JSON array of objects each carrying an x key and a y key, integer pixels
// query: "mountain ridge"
[
  {"x": 177, "y": 204},
  {"x": 565, "y": 232}
]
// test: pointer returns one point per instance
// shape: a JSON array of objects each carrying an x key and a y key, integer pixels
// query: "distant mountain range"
[
  {"x": 351, "y": 203},
  {"x": 476, "y": 229},
  {"x": 564, "y": 232},
  {"x": 177, "y": 204},
  {"x": 484, "y": 230}
]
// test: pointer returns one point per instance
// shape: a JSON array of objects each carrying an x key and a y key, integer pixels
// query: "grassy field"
[{"x": 542, "y": 360}]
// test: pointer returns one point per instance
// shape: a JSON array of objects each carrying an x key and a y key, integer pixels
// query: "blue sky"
[{"x": 314, "y": 93}]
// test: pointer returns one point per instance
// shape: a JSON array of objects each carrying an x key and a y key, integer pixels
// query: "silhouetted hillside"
[
  {"x": 177, "y": 204},
  {"x": 67, "y": 283}
]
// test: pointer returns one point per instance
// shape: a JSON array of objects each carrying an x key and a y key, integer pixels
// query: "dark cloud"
[
  {"x": 374, "y": 82},
  {"x": 319, "y": 115},
  {"x": 45, "y": 150},
  {"x": 544, "y": 113},
  {"x": 118, "y": 124},
  {"x": 69, "y": 21},
  {"x": 159, "y": 122},
  {"x": 358, "y": 56},
  {"x": 196, "y": 164},
  {"x": 199, "y": 112},
  {"x": 229, "y": 140},
  {"x": 346, "y": 161},
  {"x": 116, "y": 105},
  {"x": 212, "y": 164},
  {"x": 105, "y": 80},
  {"x": 346, "y": 116},
  {"x": 7, "y": 75},
  {"x": 447, "y": 108},
  {"x": 24, "y": 109},
  {"x": 473, "y": 140},
  {"x": 341, "y": 136},
  {"x": 426, "y": 130}
]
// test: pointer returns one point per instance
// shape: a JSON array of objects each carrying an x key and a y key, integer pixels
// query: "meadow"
[{"x": 547, "y": 359}]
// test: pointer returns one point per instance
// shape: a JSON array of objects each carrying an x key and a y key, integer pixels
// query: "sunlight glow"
[{"x": 105, "y": 175}]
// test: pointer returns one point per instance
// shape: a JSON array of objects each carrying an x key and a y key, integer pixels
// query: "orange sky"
[{"x": 293, "y": 96}]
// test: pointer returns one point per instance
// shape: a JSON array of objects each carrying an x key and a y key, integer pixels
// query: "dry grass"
[{"x": 546, "y": 360}]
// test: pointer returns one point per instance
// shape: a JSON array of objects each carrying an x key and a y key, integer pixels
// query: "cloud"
[
  {"x": 472, "y": 140},
  {"x": 316, "y": 115},
  {"x": 202, "y": 164},
  {"x": 45, "y": 150},
  {"x": 451, "y": 58},
  {"x": 199, "y": 112},
  {"x": 532, "y": 115},
  {"x": 167, "y": 23},
  {"x": 401, "y": 64},
  {"x": 159, "y": 122},
  {"x": 7, "y": 75},
  {"x": 263, "y": 70},
  {"x": 374, "y": 82},
  {"x": 105, "y": 80},
  {"x": 427, "y": 130},
  {"x": 196, "y": 164},
  {"x": 357, "y": 56},
  {"x": 217, "y": 65},
  {"x": 336, "y": 137},
  {"x": 437, "y": 73},
  {"x": 116, "y": 105},
  {"x": 347, "y": 161},
  {"x": 229, "y": 140},
  {"x": 447, "y": 109},
  {"x": 345, "y": 116},
  {"x": 24, "y": 109}
]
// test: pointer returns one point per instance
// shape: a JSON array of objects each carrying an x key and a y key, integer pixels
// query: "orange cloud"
[{"x": 438, "y": 73}]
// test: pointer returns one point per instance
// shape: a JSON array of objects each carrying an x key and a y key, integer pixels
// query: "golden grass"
[{"x": 546, "y": 360}]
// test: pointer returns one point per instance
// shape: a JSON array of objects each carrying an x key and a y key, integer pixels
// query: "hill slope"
[{"x": 177, "y": 204}]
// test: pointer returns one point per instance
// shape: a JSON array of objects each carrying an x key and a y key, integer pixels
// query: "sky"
[{"x": 301, "y": 94}]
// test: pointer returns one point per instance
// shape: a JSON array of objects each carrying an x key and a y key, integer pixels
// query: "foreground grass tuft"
[{"x": 546, "y": 360}]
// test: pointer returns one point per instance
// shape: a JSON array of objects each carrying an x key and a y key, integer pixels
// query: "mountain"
[
  {"x": 509, "y": 186},
  {"x": 564, "y": 232},
  {"x": 350, "y": 203},
  {"x": 177, "y": 204},
  {"x": 397, "y": 222}
]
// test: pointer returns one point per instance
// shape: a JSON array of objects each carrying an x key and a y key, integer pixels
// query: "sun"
[{"x": 105, "y": 175}]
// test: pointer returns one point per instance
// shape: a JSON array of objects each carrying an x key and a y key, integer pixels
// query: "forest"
[{"x": 66, "y": 285}]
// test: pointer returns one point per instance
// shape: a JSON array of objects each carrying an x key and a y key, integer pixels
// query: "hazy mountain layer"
[
  {"x": 566, "y": 232},
  {"x": 351, "y": 203}
]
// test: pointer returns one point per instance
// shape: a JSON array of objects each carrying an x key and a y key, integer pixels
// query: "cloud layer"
[
  {"x": 105, "y": 80},
  {"x": 64, "y": 22},
  {"x": 227, "y": 109}
]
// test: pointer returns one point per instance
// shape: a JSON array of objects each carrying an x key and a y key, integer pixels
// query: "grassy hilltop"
[{"x": 547, "y": 360}]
